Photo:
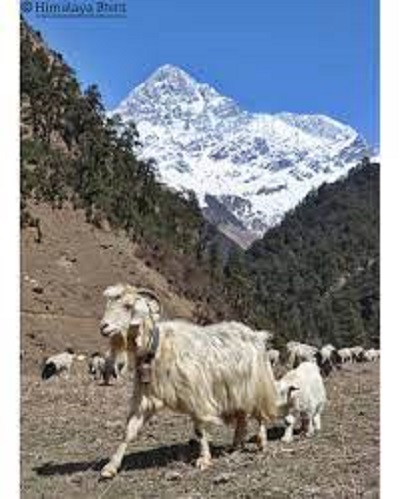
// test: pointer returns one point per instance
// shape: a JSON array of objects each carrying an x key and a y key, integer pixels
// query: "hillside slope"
[
  {"x": 63, "y": 278},
  {"x": 316, "y": 276}
]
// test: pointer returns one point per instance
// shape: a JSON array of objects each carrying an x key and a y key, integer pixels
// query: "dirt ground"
[{"x": 69, "y": 428}]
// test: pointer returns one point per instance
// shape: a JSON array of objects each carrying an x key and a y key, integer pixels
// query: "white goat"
[
  {"x": 112, "y": 364},
  {"x": 59, "y": 364},
  {"x": 214, "y": 378},
  {"x": 299, "y": 352},
  {"x": 301, "y": 395},
  {"x": 117, "y": 356},
  {"x": 345, "y": 355},
  {"x": 97, "y": 364},
  {"x": 371, "y": 355},
  {"x": 357, "y": 353}
]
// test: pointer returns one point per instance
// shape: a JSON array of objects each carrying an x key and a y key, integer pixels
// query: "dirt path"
[{"x": 69, "y": 428}]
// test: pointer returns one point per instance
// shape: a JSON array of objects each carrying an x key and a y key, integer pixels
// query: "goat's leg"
[
  {"x": 288, "y": 436},
  {"x": 204, "y": 461},
  {"x": 196, "y": 433},
  {"x": 261, "y": 437},
  {"x": 240, "y": 431},
  {"x": 310, "y": 426},
  {"x": 317, "y": 422},
  {"x": 139, "y": 413}
]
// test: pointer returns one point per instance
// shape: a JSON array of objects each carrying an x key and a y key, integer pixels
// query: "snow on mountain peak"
[{"x": 246, "y": 169}]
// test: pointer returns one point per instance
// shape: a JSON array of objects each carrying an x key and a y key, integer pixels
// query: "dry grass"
[{"x": 69, "y": 428}]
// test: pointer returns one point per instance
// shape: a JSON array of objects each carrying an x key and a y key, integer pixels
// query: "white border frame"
[
  {"x": 10, "y": 252},
  {"x": 390, "y": 247}
]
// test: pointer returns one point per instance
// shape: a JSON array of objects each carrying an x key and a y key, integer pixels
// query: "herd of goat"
[{"x": 219, "y": 373}]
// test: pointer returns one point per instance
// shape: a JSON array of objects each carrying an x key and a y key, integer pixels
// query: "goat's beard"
[
  {"x": 133, "y": 341},
  {"x": 118, "y": 341}
]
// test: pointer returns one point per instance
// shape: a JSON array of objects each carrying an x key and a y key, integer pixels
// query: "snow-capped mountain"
[{"x": 246, "y": 169}]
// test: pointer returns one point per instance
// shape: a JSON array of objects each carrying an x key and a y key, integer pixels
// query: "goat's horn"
[{"x": 147, "y": 292}]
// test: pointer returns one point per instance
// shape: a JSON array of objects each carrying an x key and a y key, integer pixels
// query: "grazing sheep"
[
  {"x": 112, "y": 365},
  {"x": 345, "y": 355},
  {"x": 299, "y": 352},
  {"x": 327, "y": 359},
  {"x": 372, "y": 355},
  {"x": 104, "y": 367},
  {"x": 357, "y": 354},
  {"x": 301, "y": 395},
  {"x": 58, "y": 364},
  {"x": 116, "y": 359},
  {"x": 273, "y": 356},
  {"x": 97, "y": 364},
  {"x": 214, "y": 378}
]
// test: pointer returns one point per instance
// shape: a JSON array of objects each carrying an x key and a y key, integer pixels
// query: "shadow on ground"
[{"x": 152, "y": 458}]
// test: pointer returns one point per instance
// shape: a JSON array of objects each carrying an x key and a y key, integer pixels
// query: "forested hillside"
[{"x": 316, "y": 276}]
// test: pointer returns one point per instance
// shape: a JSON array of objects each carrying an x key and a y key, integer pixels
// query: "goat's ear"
[{"x": 152, "y": 299}]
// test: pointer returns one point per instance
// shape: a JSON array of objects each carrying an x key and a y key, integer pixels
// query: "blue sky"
[{"x": 308, "y": 56}]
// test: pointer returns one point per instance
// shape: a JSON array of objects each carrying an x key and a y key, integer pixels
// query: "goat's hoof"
[
  {"x": 203, "y": 463},
  {"x": 287, "y": 440},
  {"x": 261, "y": 443},
  {"x": 109, "y": 471}
]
